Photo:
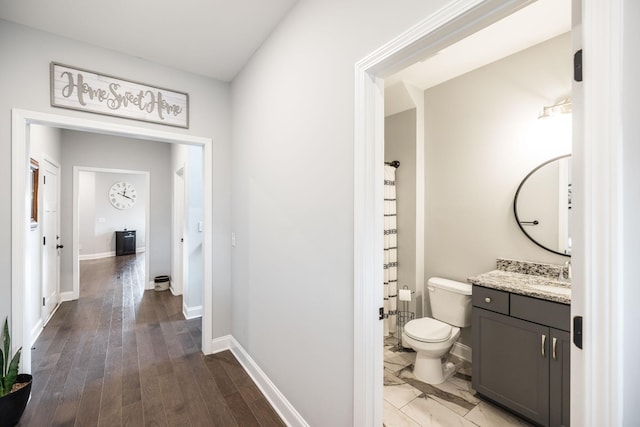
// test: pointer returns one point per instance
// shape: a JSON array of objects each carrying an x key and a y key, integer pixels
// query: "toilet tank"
[{"x": 450, "y": 301}]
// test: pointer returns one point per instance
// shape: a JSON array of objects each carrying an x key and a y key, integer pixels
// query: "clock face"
[{"x": 122, "y": 195}]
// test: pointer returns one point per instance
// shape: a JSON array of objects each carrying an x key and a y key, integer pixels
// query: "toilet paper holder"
[{"x": 403, "y": 315}]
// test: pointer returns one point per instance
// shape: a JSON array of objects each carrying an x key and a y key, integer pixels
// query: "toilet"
[{"x": 432, "y": 338}]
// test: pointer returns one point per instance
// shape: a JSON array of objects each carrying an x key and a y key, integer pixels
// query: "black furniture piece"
[
  {"x": 521, "y": 354},
  {"x": 125, "y": 242}
]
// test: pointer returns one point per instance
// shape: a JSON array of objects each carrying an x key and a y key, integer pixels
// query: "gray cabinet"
[
  {"x": 521, "y": 354},
  {"x": 559, "y": 401}
]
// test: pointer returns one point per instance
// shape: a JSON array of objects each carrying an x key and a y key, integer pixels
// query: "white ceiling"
[
  {"x": 531, "y": 25},
  {"x": 214, "y": 38}
]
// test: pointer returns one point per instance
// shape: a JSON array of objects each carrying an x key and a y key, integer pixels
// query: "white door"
[{"x": 50, "y": 239}]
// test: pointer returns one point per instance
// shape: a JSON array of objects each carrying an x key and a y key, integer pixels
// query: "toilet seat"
[{"x": 427, "y": 329}]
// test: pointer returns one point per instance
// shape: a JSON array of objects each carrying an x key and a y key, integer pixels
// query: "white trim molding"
[
  {"x": 598, "y": 260},
  {"x": 278, "y": 401},
  {"x": 67, "y": 296},
  {"x": 36, "y": 331},
  {"x": 220, "y": 344},
  {"x": 101, "y": 255},
  {"x": 191, "y": 312},
  {"x": 280, "y": 404},
  {"x": 173, "y": 289},
  {"x": 450, "y": 24}
]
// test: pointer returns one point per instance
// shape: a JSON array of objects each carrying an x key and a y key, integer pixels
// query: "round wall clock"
[{"x": 122, "y": 195}]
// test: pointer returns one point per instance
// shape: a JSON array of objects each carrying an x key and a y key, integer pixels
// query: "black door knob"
[{"x": 59, "y": 246}]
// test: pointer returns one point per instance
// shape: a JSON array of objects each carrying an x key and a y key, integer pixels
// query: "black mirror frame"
[{"x": 515, "y": 204}]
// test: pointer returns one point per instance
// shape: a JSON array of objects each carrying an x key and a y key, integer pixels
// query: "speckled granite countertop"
[{"x": 526, "y": 278}]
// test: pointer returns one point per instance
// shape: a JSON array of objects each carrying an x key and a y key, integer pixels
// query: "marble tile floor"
[{"x": 412, "y": 403}]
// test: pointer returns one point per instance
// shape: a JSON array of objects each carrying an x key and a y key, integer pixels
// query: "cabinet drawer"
[
  {"x": 536, "y": 310},
  {"x": 491, "y": 299}
]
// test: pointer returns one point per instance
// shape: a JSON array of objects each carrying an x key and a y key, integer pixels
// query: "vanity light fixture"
[{"x": 561, "y": 107}]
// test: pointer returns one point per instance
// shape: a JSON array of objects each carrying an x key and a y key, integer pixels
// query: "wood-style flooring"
[{"x": 122, "y": 356}]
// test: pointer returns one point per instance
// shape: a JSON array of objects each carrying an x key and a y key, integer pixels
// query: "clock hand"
[{"x": 124, "y": 195}]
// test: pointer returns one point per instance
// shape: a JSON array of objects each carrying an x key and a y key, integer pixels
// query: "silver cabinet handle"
[
  {"x": 487, "y": 300},
  {"x": 553, "y": 353},
  {"x": 544, "y": 340}
]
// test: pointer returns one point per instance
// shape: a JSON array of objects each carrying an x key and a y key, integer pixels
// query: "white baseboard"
[
  {"x": 85, "y": 257},
  {"x": 280, "y": 404},
  {"x": 173, "y": 290},
  {"x": 36, "y": 331},
  {"x": 191, "y": 312},
  {"x": 109, "y": 254},
  {"x": 67, "y": 296},
  {"x": 221, "y": 344},
  {"x": 462, "y": 351}
]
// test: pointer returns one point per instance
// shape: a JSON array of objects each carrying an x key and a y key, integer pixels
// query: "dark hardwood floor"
[{"x": 122, "y": 356}]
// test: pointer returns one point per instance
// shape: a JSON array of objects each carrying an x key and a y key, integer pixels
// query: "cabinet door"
[
  {"x": 559, "y": 378},
  {"x": 511, "y": 363}
]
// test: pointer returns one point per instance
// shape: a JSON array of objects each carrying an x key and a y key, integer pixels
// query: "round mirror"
[{"x": 542, "y": 205}]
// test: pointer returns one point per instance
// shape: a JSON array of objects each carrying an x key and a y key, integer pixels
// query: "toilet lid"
[{"x": 427, "y": 329}]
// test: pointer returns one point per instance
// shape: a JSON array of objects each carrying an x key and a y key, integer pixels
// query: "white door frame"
[
  {"x": 20, "y": 224},
  {"x": 598, "y": 240},
  {"x": 75, "y": 252}
]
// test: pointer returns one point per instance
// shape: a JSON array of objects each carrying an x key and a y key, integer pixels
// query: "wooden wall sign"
[{"x": 84, "y": 90}]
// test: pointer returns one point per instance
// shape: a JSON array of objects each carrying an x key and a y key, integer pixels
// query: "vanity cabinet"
[{"x": 521, "y": 354}]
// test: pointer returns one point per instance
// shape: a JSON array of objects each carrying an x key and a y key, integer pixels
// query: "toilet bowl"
[
  {"x": 432, "y": 338},
  {"x": 430, "y": 349}
]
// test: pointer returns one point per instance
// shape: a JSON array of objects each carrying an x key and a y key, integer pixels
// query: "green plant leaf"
[
  {"x": 12, "y": 374},
  {"x": 7, "y": 345},
  {"x": 1, "y": 365}
]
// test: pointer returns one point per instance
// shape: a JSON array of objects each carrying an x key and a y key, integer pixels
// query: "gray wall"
[
  {"x": 292, "y": 111},
  {"x": 25, "y": 85},
  {"x": 400, "y": 144},
  {"x": 482, "y": 138},
  {"x": 105, "y": 151}
]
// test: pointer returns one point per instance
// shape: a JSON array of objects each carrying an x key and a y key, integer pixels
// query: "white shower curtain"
[{"x": 390, "y": 251}]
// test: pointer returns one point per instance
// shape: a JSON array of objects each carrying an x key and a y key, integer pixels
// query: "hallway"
[{"x": 122, "y": 356}]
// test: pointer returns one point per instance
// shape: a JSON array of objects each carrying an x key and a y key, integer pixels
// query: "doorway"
[
  {"x": 473, "y": 115},
  {"x": 445, "y": 27},
  {"x": 93, "y": 232},
  {"x": 21, "y": 120}
]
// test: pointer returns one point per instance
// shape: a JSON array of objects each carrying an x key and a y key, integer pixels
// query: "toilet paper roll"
[{"x": 405, "y": 295}]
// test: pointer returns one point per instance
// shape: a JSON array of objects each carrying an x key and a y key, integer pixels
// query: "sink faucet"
[{"x": 565, "y": 272}]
